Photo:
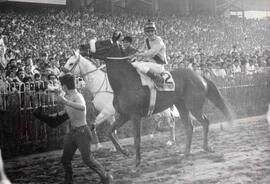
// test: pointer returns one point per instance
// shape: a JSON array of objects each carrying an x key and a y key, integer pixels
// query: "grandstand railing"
[{"x": 26, "y": 96}]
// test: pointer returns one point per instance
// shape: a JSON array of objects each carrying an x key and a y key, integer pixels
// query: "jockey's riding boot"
[{"x": 158, "y": 79}]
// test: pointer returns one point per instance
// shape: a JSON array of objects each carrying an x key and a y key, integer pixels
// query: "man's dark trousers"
[{"x": 79, "y": 138}]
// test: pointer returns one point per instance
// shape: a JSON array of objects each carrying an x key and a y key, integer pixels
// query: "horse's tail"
[{"x": 215, "y": 97}]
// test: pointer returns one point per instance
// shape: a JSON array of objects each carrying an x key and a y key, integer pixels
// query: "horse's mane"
[
  {"x": 129, "y": 73},
  {"x": 90, "y": 61}
]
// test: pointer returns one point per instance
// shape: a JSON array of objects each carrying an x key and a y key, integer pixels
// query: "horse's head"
[
  {"x": 78, "y": 65},
  {"x": 72, "y": 65},
  {"x": 102, "y": 49}
]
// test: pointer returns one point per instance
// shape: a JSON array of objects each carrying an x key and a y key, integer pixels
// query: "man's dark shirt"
[{"x": 130, "y": 51}]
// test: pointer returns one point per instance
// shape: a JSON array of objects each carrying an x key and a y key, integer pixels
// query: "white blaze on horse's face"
[
  {"x": 70, "y": 63},
  {"x": 93, "y": 45}
]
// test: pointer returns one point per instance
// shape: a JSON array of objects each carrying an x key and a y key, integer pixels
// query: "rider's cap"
[{"x": 149, "y": 26}]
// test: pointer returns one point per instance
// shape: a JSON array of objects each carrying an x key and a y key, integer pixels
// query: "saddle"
[{"x": 168, "y": 85}]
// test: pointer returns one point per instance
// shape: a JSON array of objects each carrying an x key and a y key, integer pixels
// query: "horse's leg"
[
  {"x": 184, "y": 113},
  {"x": 156, "y": 128},
  {"x": 101, "y": 117},
  {"x": 205, "y": 123},
  {"x": 171, "y": 123},
  {"x": 95, "y": 140},
  {"x": 117, "y": 124},
  {"x": 137, "y": 138},
  {"x": 111, "y": 119}
]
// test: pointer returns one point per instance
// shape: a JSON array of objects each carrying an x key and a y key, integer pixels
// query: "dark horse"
[{"x": 131, "y": 99}]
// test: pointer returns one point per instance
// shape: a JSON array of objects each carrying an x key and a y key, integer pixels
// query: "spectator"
[
  {"x": 28, "y": 71},
  {"x": 21, "y": 74},
  {"x": 250, "y": 67},
  {"x": 12, "y": 75},
  {"x": 219, "y": 71},
  {"x": 54, "y": 84},
  {"x": 54, "y": 68},
  {"x": 236, "y": 67}
]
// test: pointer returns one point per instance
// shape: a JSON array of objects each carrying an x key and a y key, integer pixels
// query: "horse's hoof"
[
  {"x": 108, "y": 179},
  {"x": 208, "y": 149},
  {"x": 113, "y": 149},
  {"x": 187, "y": 155},
  {"x": 125, "y": 152},
  {"x": 170, "y": 143},
  {"x": 135, "y": 172},
  {"x": 97, "y": 147}
]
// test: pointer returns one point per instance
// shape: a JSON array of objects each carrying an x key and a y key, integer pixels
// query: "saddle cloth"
[{"x": 169, "y": 85}]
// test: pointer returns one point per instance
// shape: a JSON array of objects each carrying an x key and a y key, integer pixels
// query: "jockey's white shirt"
[{"x": 157, "y": 47}]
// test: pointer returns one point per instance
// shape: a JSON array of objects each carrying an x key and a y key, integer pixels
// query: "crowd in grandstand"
[{"x": 35, "y": 44}]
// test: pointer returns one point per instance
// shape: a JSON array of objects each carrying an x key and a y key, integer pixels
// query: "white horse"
[
  {"x": 98, "y": 84},
  {"x": 3, "y": 176}
]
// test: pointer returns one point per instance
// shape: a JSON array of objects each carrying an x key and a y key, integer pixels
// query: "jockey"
[{"x": 155, "y": 54}]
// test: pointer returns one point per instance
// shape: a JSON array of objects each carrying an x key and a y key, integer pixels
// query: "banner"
[{"x": 57, "y": 2}]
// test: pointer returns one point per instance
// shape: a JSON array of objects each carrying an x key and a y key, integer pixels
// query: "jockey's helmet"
[
  {"x": 150, "y": 26},
  {"x": 116, "y": 35}
]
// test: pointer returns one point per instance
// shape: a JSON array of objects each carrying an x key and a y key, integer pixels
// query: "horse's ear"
[
  {"x": 73, "y": 51},
  {"x": 76, "y": 53}
]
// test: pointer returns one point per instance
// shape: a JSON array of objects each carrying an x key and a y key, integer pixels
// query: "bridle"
[
  {"x": 104, "y": 82},
  {"x": 99, "y": 68}
]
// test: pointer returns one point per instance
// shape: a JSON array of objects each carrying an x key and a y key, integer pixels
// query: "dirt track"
[{"x": 241, "y": 156}]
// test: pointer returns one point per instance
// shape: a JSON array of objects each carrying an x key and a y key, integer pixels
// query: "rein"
[
  {"x": 84, "y": 74},
  {"x": 118, "y": 58},
  {"x": 103, "y": 83}
]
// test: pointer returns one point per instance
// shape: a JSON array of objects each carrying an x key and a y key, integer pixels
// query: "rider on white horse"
[
  {"x": 117, "y": 36},
  {"x": 155, "y": 54}
]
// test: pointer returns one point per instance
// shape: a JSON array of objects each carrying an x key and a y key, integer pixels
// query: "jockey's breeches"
[{"x": 144, "y": 67}]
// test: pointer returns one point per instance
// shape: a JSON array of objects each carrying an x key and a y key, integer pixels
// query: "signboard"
[{"x": 59, "y": 2}]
